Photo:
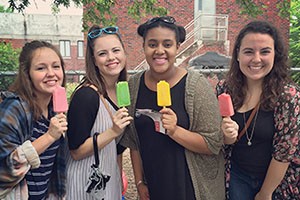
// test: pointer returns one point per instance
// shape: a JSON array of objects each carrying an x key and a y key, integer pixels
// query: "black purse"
[{"x": 97, "y": 180}]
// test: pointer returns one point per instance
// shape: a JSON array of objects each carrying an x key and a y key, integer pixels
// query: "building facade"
[{"x": 211, "y": 25}]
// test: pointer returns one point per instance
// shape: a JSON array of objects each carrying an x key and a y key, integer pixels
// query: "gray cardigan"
[{"x": 207, "y": 171}]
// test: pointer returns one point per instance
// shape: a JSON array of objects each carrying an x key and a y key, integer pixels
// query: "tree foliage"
[
  {"x": 253, "y": 8},
  {"x": 8, "y": 62},
  {"x": 5, "y": 10},
  {"x": 294, "y": 50},
  {"x": 100, "y": 11}
]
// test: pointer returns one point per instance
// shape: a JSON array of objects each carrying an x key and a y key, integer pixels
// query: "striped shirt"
[
  {"x": 38, "y": 179},
  {"x": 15, "y": 130},
  {"x": 78, "y": 171}
]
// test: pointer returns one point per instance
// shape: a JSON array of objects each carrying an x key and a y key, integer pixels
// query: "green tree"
[
  {"x": 100, "y": 11},
  {"x": 294, "y": 50},
  {"x": 295, "y": 34},
  {"x": 253, "y": 8},
  {"x": 8, "y": 62},
  {"x": 5, "y": 10}
]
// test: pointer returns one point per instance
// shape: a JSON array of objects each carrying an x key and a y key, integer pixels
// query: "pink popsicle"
[
  {"x": 60, "y": 102},
  {"x": 225, "y": 104}
]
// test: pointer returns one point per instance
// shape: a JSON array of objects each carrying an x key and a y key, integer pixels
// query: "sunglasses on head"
[
  {"x": 166, "y": 19},
  {"x": 98, "y": 32}
]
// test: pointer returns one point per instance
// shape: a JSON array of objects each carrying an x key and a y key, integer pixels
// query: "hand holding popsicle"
[
  {"x": 229, "y": 127},
  {"x": 168, "y": 117},
  {"x": 123, "y": 95},
  {"x": 163, "y": 94},
  {"x": 230, "y": 130},
  {"x": 60, "y": 102},
  {"x": 58, "y": 126},
  {"x": 169, "y": 120},
  {"x": 120, "y": 120}
]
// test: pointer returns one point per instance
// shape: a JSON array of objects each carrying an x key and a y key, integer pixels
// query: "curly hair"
[
  {"x": 23, "y": 85},
  {"x": 273, "y": 83}
]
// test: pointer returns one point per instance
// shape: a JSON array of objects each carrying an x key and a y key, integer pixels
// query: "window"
[
  {"x": 80, "y": 47},
  {"x": 65, "y": 48}
]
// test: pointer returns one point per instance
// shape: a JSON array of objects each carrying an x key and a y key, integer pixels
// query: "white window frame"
[
  {"x": 65, "y": 48},
  {"x": 80, "y": 48}
]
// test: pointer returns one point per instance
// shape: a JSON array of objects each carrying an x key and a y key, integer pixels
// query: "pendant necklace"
[{"x": 249, "y": 138}]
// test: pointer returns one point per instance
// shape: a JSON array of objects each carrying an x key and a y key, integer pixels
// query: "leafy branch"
[
  {"x": 254, "y": 8},
  {"x": 100, "y": 11}
]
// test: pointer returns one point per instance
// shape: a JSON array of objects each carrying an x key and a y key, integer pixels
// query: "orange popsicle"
[
  {"x": 60, "y": 102},
  {"x": 163, "y": 94},
  {"x": 225, "y": 104}
]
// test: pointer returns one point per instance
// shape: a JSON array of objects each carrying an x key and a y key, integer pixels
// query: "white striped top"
[{"x": 78, "y": 171}]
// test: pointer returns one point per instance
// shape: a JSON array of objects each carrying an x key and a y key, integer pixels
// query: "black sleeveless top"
[{"x": 164, "y": 162}]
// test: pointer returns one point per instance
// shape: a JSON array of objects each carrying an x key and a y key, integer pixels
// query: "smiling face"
[
  {"x": 45, "y": 72},
  {"x": 109, "y": 56},
  {"x": 160, "y": 49},
  {"x": 256, "y": 56}
]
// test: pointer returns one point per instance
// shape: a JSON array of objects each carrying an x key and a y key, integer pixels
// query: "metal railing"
[
  {"x": 82, "y": 73},
  {"x": 74, "y": 76}
]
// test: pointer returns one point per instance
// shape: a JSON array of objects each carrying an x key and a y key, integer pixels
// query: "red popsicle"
[
  {"x": 60, "y": 102},
  {"x": 225, "y": 104}
]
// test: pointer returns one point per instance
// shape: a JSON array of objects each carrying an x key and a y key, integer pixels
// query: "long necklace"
[{"x": 249, "y": 138}]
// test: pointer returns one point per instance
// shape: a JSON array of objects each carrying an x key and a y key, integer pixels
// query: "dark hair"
[
  {"x": 23, "y": 85},
  {"x": 93, "y": 75},
  {"x": 273, "y": 83},
  {"x": 164, "y": 21}
]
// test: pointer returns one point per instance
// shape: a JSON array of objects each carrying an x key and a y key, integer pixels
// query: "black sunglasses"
[
  {"x": 166, "y": 19},
  {"x": 98, "y": 32}
]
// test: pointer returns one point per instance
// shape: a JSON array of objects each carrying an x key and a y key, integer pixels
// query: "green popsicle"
[{"x": 123, "y": 96}]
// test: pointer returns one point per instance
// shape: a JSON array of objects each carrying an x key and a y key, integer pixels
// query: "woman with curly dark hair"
[{"x": 262, "y": 154}]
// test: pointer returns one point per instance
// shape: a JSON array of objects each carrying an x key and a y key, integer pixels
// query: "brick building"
[
  {"x": 211, "y": 25},
  {"x": 188, "y": 11}
]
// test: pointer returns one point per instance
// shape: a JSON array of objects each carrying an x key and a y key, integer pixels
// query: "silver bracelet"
[{"x": 139, "y": 183}]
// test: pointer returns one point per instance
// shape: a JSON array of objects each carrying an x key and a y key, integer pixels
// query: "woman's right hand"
[
  {"x": 230, "y": 130},
  {"x": 120, "y": 120},
  {"x": 58, "y": 126}
]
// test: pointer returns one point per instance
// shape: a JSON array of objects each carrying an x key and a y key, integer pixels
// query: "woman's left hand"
[{"x": 169, "y": 120}]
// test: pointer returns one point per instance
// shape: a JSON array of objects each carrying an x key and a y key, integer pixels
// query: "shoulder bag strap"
[
  {"x": 95, "y": 145},
  {"x": 106, "y": 106},
  {"x": 248, "y": 121},
  {"x": 103, "y": 100}
]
